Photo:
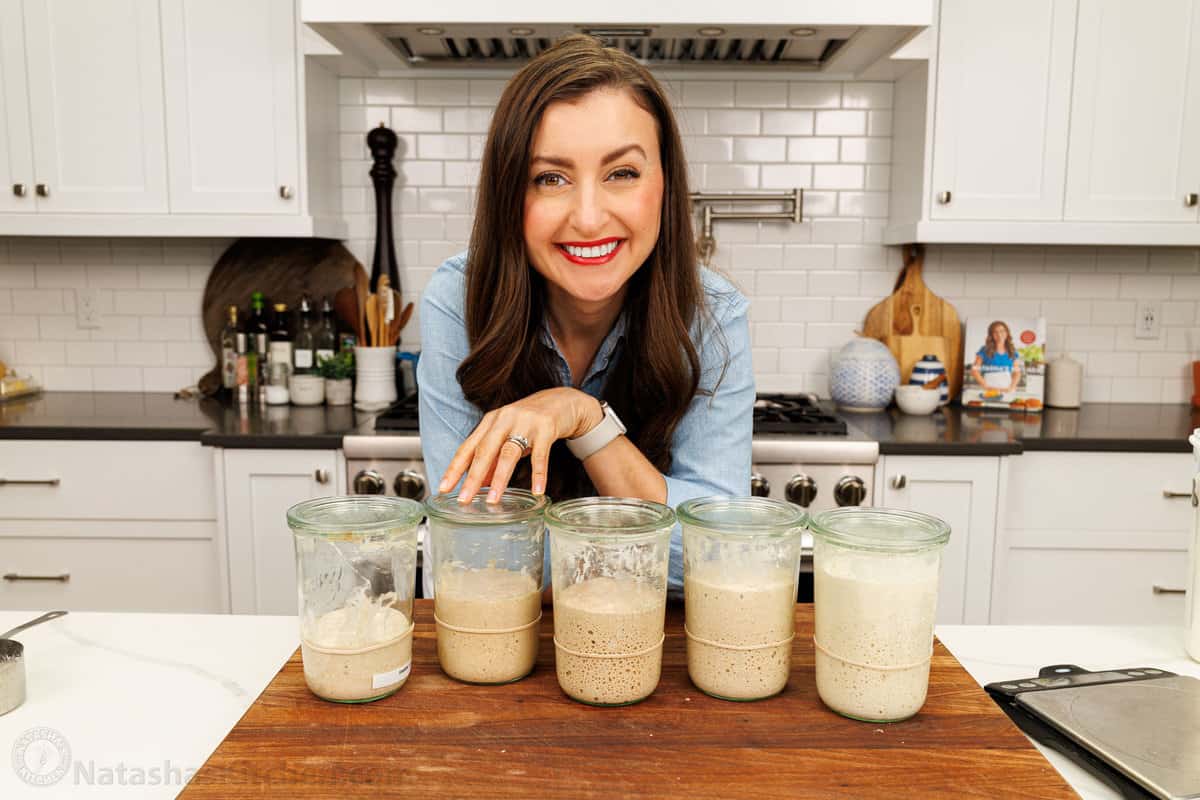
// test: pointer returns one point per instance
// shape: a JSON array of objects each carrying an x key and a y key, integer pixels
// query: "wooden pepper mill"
[{"x": 382, "y": 142}]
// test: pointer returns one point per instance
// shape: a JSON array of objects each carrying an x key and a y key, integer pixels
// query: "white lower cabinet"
[
  {"x": 961, "y": 490},
  {"x": 255, "y": 489},
  {"x": 1094, "y": 538}
]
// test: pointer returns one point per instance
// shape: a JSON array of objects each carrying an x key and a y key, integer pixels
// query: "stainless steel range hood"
[{"x": 822, "y": 36}]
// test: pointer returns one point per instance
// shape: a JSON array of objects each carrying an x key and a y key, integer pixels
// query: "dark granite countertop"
[
  {"x": 1111, "y": 427},
  {"x": 154, "y": 416}
]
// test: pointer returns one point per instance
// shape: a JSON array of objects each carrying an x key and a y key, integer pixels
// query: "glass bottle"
[
  {"x": 258, "y": 332},
  {"x": 875, "y": 583},
  {"x": 281, "y": 337},
  {"x": 229, "y": 352},
  {"x": 326, "y": 339},
  {"x": 305, "y": 344},
  {"x": 608, "y": 560},
  {"x": 246, "y": 365},
  {"x": 486, "y": 560},
  {"x": 356, "y": 562},
  {"x": 741, "y": 562}
]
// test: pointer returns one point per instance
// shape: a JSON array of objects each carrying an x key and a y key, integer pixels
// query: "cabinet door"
[
  {"x": 1000, "y": 120},
  {"x": 230, "y": 70},
  {"x": 260, "y": 486},
  {"x": 96, "y": 100},
  {"x": 962, "y": 491},
  {"x": 1135, "y": 112},
  {"x": 16, "y": 151}
]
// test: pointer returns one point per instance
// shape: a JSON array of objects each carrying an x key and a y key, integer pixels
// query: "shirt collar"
[{"x": 604, "y": 354}]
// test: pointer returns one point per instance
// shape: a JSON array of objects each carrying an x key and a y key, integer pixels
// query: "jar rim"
[
  {"x": 888, "y": 530},
  {"x": 789, "y": 518},
  {"x": 527, "y": 506},
  {"x": 568, "y": 517},
  {"x": 366, "y": 514}
]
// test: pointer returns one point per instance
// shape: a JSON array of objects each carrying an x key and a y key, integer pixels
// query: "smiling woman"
[{"x": 577, "y": 348}]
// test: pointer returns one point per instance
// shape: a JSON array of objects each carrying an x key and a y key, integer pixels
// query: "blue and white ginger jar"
[
  {"x": 925, "y": 370},
  {"x": 864, "y": 375}
]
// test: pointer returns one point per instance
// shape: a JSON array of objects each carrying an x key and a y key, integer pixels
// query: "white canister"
[
  {"x": 376, "y": 385},
  {"x": 1064, "y": 382}
]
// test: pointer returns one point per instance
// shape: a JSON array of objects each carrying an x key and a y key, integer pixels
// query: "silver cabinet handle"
[
  {"x": 285, "y": 192},
  {"x": 1191, "y": 199},
  {"x": 944, "y": 198},
  {"x": 899, "y": 482},
  {"x": 12, "y": 576},
  {"x": 19, "y": 189},
  {"x": 1170, "y": 495},
  {"x": 42, "y": 190},
  {"x": 25, "y": 482},
  {"x": 1167, "y": 590},
  {"x": 321, "y": 476}
]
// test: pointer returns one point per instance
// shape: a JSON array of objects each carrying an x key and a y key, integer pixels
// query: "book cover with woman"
[{"x": 1005, "y": 363}]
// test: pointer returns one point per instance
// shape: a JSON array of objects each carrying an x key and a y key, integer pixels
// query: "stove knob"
[
  {"x": 410, "y": 484},
  {"x": 801, "y": 490},
  {"x": 369, "y": 481},
  {"x": 850, "y": 491},
  {"x": 759, "y": 486}
]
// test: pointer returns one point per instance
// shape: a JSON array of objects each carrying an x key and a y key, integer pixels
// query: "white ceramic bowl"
[
  {"x": 917, "y": 399},
  {"x": 307, "y": 390}
]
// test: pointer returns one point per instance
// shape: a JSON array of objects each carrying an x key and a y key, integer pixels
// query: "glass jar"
[
  {"x": 356, "y": 566},
  {"x": 608, "y": 560},
  {"x": 741, "y": 561},
  {"x": 486, "y": 561},
  {"x": 875, "y": 575}
]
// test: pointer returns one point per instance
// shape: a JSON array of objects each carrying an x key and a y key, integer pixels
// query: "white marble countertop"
[{"x": 142, "y": 700}]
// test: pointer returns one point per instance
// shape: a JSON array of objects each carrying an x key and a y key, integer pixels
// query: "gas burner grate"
[
  {"x": 400, "y": 416},
  {"x": 795, "y": 413}
]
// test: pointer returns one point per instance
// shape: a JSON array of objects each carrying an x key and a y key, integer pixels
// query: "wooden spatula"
[{"x": 373, "y": 319}]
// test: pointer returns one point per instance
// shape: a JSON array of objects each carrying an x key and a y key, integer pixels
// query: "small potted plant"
[{"x": 337, "y": 372}]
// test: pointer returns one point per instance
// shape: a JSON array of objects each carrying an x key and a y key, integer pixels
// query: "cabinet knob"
[
  {"x": 285, "y": 192},
  {"x": 42, "y": 190},
  {"x": 321, "y": 476},
  {"x": 1191, "y": 199},
  {"x": 15, "y": 576},
  {"x": 1167, "y": 590},
  {"x": 19, "y": 189},
  {"x": 944, "y": 198},
  {"x": 900, "y": 481}
]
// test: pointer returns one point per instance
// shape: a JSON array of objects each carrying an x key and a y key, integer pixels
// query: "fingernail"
[
  {"x": 539, "y": 488},
  {"x": 493, "y": 496},
  {"x": 444, "y": 486}
]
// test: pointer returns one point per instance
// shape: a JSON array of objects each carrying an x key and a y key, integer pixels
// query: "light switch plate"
[
  {"x": 1147, "y": 324},
  {"x": 87, "y": 308}
]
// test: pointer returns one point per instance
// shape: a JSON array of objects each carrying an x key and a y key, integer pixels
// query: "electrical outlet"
[
  {"x": 1148, "y": 322},
  {"x": 87, "y": 308}
]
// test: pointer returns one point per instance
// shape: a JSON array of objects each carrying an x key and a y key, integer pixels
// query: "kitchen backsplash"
[{"x": 810, "y": 284}]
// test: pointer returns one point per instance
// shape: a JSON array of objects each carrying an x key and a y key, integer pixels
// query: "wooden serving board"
[
  {"x": 892, "y": 317},
  {"x": 911, "y": 348},
  {"x": 437, "y": 738}
]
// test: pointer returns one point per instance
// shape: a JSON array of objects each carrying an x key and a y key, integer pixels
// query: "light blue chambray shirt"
[{"x": 710, "y": 453}]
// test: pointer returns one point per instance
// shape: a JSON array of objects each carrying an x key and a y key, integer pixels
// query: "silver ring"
[{"x": 519, "y": 440}]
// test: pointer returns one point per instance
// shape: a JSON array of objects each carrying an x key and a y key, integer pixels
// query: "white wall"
[{"x": 810, "y": 284}]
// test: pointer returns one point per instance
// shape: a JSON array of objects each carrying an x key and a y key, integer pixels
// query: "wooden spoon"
[
  {"x": 398, "y": 319},
  {"x": 361, "y": 290},
  {"x": 373, "y": 319}
]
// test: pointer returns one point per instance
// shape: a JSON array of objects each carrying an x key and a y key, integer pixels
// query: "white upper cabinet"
[
  {"x": 16, "y": 149},
  {"x": 1135, "y": 130},
  {"x": 230, "y": 70},
  {"x": 96, "y": 103},
  {"x": 1001, "y": 112}
]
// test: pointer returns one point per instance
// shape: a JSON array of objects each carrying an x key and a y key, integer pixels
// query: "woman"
[
  {"x": 581, "y": 286},
  {"x": 996, "y": 364}
]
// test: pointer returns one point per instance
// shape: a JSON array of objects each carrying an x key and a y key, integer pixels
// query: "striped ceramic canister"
[{"x": 925, "y": 370}]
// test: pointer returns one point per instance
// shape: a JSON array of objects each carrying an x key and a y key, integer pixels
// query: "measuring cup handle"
[{"x": 49, "y": 615}]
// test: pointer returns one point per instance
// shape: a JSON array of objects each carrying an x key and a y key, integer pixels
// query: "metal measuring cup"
[{"x": 12, "y": 663}]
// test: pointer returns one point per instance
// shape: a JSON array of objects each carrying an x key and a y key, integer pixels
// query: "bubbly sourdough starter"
[
  {"x": 875, "y": 611},
  {"x": 744, "y": 608},
  {"x": 486, "y": 599},
  {"x": 621, "y": 621},
  {"x": 359, "y": 652}
]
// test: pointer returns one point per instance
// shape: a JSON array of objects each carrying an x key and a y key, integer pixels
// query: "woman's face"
[
  {"x": 1000, "y": 336},
  {"x": 594, "y": 198}
]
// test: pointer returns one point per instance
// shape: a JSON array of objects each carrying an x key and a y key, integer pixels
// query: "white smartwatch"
[{"x": 609, "y": 428}]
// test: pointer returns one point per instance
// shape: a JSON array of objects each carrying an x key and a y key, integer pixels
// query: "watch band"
[{"x": 609, "y": 428}]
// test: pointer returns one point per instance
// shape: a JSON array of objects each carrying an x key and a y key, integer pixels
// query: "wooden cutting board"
[
  {"x": 911, "y": 348},
  {"x": 438, "y": 738},
  {"x": 892, "y": 318}
]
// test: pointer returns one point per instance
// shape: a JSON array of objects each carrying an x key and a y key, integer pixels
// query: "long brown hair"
[
  {"x": 652, "y": 382},
  {"x": 989, "y": 347}
]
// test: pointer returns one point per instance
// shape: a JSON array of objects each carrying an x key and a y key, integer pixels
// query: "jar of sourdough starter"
[
  {"x": 608, "y": 559},
  {"x": 356, "y": 566},
  {"x": 741, "y": 560},
  {"x": 487, "y": 575},
  {"x": 875, "y": 575}
]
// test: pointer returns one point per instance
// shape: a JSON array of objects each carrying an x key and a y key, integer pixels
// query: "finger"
[
  {"x": 539, "y": 461},
  {"x": 510, "y": 454},
  {"x": 465, "y": 453},
  {"x": 484, "y": 461}
]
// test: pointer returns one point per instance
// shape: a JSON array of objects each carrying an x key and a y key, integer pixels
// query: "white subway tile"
[
  {"x": 180, "y": 302},
  {"x": 445, "y": 201},
  {"x": 416, "y": 227},
  {"x": 861, "y": 256},
  {"x": 1145, "y": 287},
  {"x": 1135, "y": 390},
  {"x": 757, "y": 256},
  {"x": 466, "y": 120},
  {"x": 137, "y": 302},
  {"x": 1097, "y": 390},
  {"x": 352, "y": 145},
  {"x": 841, "y": 123},
  {"x": 806, "y": 309},
  {"x": 117, "y": 379},
  {"x": 416, "y": 119},
  {"x": 764, "y": 309},
  {"x": 778, "y": 231},
  {"x": 40, "y": 353},
  {"x": 38, "y": 301},
  {"x": 879, "y": 177},
  {"x": 1185, "y": 286},
  {"x": 814, "y": 95},
  {"x": 1173, "y": 260},
  {"x": 1178, "y": 312},
  {"x": 165, "y": 329},
  {"x": 1042, "y": 285},
  {"x": 458, "y": 228},
  {"x": 461, "y": 173},
  {"x": 829, "y": 334},
  {"x": 837, "y": 231},
  {"x": 162, "y": 276},
  {"x": 879, "y": 123},
  {"x": 5, "y": 301},
  {"x": 727, "y": 232},
  {"x": 786, "y": 176},
  {"x": 787, "y": 123},
  {"x": 1113, "y": 312},
  {"x": 760, "y": 149},
  {"x": 863, "y": 204},
  {"x": 1176, "y": 390},
  {"x": 350, "y": 92},
  {"x": 833, "y": 284},
  {"x": 820, "y": 204},
  {"x": 765, "y": 359},
  {"x": 422, "y": 173},
  {"x": 1127, "y": 343},
  {"x": 141, "y": 354},
  {"x": 441, "y": 146},
  {"x": 1013, "y": 307},
  {"x": 1067, "y": 312},
  {"x": 810, "y": 256},
  {"x": 778, "y": 283},
  {"x": 867, "y": 95},
  {"x": 34, "y": 250},
  {"x": 761, "y": 94},
  {"x": 812, "y": 149},
  {"x": 857, "y": 149},
  {"x": 876, "y": 283},
  {"x": 732, "y": 176},
  {"x": 441, "y": 92},
  {"x": 166, "y": 379},
  {"x": 1109, "y": 365},
  {"x": 1164, "y": 365},
  {"x": 778, "y": 334},
  {"x": 67, "y": 379},
  {"x": 91, "y": 353},
  {"x": 355, "y": 173},
  {"x": 708, "y": 94},
  {"x": 1096, "y": 287},
  {"x": 61, "y": 327},
  {"x": 434, "y": 253},
  {"x": 354, "y": 200},
  {"x": 198, "y": 276},
  {"x": 18, "y": 276},
  {"x": 60, "y": 276},
  {"x": 1122, "y": 260},
  {"x": 355, "y": 120},
  {"x": 990, "y": 285},
  {"x": 798, "y": 360},
  {"x": 691, "y": 121},
  {"x": 740, "y": 121},
  {"x": 1090, "y": 337},
  {"x": 114, "y": 328},
  {"x": 1070, "y": 259},
  {"x": 708, "y": 148},
  {"x": 189, "y": 354},
  {"x": 486, "y": 92}
]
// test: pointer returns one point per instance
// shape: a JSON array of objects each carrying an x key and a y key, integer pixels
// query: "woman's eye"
[
  {"x": 546, "y": 177},
  {"x": 625, "y": 173}
]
